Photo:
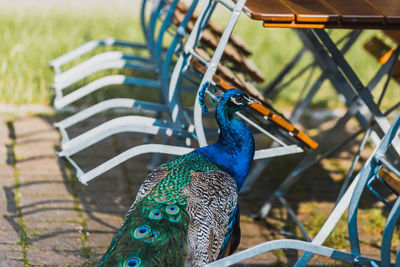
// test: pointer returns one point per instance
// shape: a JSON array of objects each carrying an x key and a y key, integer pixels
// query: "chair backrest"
[
  {"x": 377, "y": 165},
  {"x": 223, "y": 76}
]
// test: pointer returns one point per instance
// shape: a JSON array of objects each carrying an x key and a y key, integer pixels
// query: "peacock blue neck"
[{"x": 234, "y": 150}]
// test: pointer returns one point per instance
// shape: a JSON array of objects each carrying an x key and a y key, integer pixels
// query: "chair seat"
[{"x": 390, "y": 178}]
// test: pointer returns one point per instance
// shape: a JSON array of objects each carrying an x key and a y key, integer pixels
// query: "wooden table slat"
[
  {"x": 356, "y": 11},
  {"x": 315, "y": 11},
  {"x": 389, "y": 8},
  {"x": 271, "y": 10}
]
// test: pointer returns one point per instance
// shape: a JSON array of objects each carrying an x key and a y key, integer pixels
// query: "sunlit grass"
[{"x": 31, "y": 39}]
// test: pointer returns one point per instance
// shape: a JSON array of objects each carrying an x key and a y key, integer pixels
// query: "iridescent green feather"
[{"x": 154, "y": 233}]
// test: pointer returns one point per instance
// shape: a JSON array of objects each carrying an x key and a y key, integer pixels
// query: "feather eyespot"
[
  {"x": 141, "y": 231},
  {"x": 133, "y": 262},
  {"x": 172, "y": 210},
  {"x": 155, "y": 215}
]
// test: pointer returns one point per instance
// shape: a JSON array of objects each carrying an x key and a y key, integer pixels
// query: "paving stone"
[
  {"x": 4, "y": 262},
  {"x": 100, "y": 239},
  {"x": 8, "y": 245},
  {"x": 41, "y": 227},
  {"x": 26, "y": 176},
  {"x": 32, "y": 126},
  {"x": 113, "y": 219},
  {"x": 9, "y": 230},
  {"x": 10, "y": 254},
  {"x": 55, "y": 258},
  {"x": 32, "y": 153},
  {"x": 39, "y": 166},
  {"x": 105, "y": 198},
  {"x": 49, "y": 214},
  {"x": 6, "y": 171},
  {"x": 101, "y": 226},
  {"x": 43, "y": 187},
  {"x": 39, "y": 201},
  {"x": 64, "y": 239}
]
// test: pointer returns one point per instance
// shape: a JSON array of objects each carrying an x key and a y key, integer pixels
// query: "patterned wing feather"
[
  {"x": 180, "y": 216},
  {"x": 212, "y": 201}
]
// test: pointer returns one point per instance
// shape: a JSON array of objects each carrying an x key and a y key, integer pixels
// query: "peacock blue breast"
[{"x": 158, "y": 223}]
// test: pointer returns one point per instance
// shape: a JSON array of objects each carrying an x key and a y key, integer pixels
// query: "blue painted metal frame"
[
  {"x": 367, "y": 172},
  {"x": 118, "y": 60}
]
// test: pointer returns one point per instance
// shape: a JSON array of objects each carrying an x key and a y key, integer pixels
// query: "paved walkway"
[{"x": 47, "y": 218}]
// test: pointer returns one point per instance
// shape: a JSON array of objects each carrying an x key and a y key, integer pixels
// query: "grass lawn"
[{"x": 30, "y": 38}]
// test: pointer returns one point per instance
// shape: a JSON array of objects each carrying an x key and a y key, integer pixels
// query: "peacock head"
[
  {"x": 235, "y": 100},
  {"x": 231, "y": 101}
]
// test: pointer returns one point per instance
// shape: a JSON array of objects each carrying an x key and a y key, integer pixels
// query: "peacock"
[{"x": 186, "y": 212}]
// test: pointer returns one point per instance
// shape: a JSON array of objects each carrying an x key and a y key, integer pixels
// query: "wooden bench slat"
[
  {"x": 390, "y": 178},
  {"x": 378, "y": 49},
  {"x": 234, "y": 39},
  {"x": 382, "y": 52},
  {"x": 389, "y": 8},
  {"x": 271, "y": 10},
  {"x": 315, "y": 11},
  {"x": 394, "y": 34},
  {"x": 355, "y": 11},
  {"x": 231, "y": 53}
]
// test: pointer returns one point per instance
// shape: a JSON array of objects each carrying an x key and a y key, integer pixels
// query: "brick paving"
[{"x": 47, "y": 218}]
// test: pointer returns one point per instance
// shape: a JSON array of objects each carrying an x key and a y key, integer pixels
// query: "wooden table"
[
  {"x": 365, "y": 14},
  {"x": 310, "y": 18}
]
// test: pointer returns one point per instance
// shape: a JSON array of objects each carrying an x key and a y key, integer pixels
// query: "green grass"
[{"x": 31, "y": 38}]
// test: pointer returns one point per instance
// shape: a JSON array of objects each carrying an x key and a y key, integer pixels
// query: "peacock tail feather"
[{"x": 158, "y": 222}]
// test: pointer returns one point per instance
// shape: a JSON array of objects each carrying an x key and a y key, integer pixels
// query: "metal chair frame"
[
  {"x": 139, "y": 124},
  {"x": 117, "y": 60},
  {"x": 350, "y": 199},
  {"x": 357, "y": 109},
  {"x": 271, "y": 90},
  {"x": 183, "y": 64},
  {"x": 168, "y": 128}
]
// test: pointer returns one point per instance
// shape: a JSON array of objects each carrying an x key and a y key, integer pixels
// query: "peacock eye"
[{"x": 239, "y": 98}]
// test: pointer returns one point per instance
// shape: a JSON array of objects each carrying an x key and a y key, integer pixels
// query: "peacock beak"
[{"x": 252, "y": 100}]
